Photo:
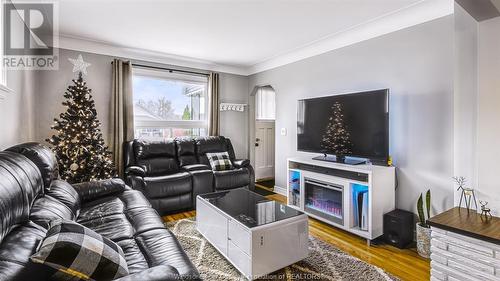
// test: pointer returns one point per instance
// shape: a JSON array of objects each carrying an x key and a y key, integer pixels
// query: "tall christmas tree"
[
  {"x": 337, "y": 139},
  {"x": 78, "y": 144}
]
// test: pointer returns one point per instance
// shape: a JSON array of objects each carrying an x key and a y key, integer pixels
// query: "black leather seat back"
[
  {"x": 212, "y": 144},
  {"x": 43, "y": 157},
  {"x": 156, "y": 158},
  {"x": 186, "y": 151},
  {"x": 20, "y": 185}
]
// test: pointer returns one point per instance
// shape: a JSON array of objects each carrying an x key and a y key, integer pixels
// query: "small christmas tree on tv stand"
[
  {"x": 81, "y": 152},
  {"x": 337, "y": 139}
]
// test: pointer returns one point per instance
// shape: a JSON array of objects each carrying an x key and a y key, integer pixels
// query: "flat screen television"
[{"x": 346, "y": 125}]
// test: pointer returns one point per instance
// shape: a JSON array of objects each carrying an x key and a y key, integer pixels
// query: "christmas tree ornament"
[
  {"x": 78, "y": 143},
  {"x": 73, "y": 167}
]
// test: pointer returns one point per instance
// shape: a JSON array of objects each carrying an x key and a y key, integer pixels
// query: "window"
[
  {"x": 265, "y": 100},
  {"x": 169, "y": 105}
]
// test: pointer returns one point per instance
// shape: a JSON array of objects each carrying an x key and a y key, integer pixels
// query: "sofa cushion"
[
  {"x": 111, "y": 205},
  {"x": 115, "y": 227},
  {"x": 231, "y": 179},
  {"x": 144, "y": 219},
  {"x": 156, "y": 158},
  {"x": 169, "y": 185},
  {"x": 210, "y": 144},
  {"x": 133, "y": 199},
  {"x": 47, "y": 209},
  {"x": 136, "y": 261},
  {"x": 219, "y": 161},
  {"x": 158, "y": 166},
  {"x": 20, "y": 184},
  {"x": 186, "y": 151},
  {"x": 80, "y": 253},
  {"x": 162, "y": 248},
  {"x": 101, "y": 208},
  {"x": 15, "y": 252},
  {"x": 66, "y": 194},
  {"x": 42, "y": 157}
]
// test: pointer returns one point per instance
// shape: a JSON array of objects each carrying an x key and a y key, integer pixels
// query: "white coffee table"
[{"x": 257, "y": 235}]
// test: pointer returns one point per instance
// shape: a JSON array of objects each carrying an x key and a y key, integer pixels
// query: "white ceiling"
[{"x": 233, "y": 33}]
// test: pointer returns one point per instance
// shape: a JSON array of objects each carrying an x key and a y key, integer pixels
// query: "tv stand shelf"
[{"x": 353, "y": 198}]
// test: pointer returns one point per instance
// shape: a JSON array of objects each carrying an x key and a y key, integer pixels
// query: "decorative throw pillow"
[
  {"x": 80, "y": 253},
  {"x": 220, "y": 161}
]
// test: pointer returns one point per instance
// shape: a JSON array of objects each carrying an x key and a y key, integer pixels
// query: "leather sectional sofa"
[
  {"x": 172, "y": 173},
  {"x": 31, "y": 196}
]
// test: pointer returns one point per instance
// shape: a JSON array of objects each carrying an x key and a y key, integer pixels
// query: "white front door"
[{"x": 264, "y": 150}]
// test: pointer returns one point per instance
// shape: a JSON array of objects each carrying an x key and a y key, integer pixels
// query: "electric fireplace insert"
[{"x": 324, "y": 200}]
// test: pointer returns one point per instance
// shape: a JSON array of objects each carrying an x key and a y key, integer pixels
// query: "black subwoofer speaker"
[{"x": 399, "y": 227}]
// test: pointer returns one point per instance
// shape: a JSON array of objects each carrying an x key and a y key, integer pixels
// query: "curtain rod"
[{"x": 170, "y": 69}]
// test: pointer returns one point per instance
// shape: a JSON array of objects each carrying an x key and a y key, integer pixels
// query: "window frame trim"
[
  {"x": 178, "y": 124},
  {"x": 173, "y": 124}
]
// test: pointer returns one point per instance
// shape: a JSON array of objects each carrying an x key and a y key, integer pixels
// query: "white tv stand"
[{"x": 318, "y": 188}]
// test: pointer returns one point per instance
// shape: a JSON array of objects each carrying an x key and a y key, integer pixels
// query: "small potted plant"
[{"x": 423, "y": 228}]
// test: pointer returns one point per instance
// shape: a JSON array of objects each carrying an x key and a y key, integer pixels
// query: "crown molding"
[
  {"x": 104, "y": 48},
  {"x": 417, "y": 13}
]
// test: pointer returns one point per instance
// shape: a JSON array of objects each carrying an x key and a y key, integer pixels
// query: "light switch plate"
[{"x": 283, "y": 131}]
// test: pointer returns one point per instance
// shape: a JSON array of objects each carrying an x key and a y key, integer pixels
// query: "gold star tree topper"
[{"x": 79, "y": 65}]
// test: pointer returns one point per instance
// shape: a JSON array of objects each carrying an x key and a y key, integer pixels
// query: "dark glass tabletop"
[{"x": 250, "y": 208}]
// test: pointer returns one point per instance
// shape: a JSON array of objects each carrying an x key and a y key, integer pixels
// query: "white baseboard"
[{"x": 280, "y": 190}]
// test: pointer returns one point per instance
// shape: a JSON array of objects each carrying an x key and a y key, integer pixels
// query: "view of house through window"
[{"x": 169, "y": 105}]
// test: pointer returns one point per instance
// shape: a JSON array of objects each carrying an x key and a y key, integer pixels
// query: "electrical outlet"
[{"x": 283, "y": 131}]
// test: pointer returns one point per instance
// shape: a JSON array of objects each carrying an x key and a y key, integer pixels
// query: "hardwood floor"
[{"x": 405, "y": 264}]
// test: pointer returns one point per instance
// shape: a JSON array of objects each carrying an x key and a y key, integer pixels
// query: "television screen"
[{"x": 347, "y": 125}]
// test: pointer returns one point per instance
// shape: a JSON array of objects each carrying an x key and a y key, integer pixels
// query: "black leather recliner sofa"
[
  {"x": 31, "y": 195},
  {"x": 173, "y": 172}
]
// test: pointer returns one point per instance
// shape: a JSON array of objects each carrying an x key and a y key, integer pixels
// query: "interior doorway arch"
[{"x": 263, "y": 134}]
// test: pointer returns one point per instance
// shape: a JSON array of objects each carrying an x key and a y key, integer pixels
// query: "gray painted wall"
[
  {"x": 417, "y": 65},
  {"x": 16, "y": 109},
  {"x": 465, "y": 97},
  {"x": 488, "y": 117},
  {"x": 234, "y": 89},
  {"x": 51, "y": 85}
]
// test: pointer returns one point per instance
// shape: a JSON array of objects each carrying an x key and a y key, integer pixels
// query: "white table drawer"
[
  {"x": 470, "y": 244},
  {"x": 440, "y": 255},
  {"x": 470, "y": 271},
  {"x": 439, "y": 275},
  {"x": 241, "y": 260},
  {"x": 240, "y": 237}
]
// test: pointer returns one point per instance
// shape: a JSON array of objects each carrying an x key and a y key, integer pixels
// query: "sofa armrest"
[
  {"x": 241, "y": 163},
  {"x": 135, "y": 171},
  {"x": 156, "y": 273},
  {"x": 196, "y": 167},
  {"x": 92, "y": 190}
]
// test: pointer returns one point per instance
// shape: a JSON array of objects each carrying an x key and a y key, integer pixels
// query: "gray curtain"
[
  {"x": 213, "y": 98},
  {"x": 122, "y": 110}
]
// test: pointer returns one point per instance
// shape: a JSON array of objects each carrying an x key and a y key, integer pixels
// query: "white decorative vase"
[{"x": 423, "y": 241}]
